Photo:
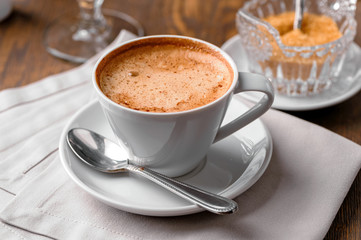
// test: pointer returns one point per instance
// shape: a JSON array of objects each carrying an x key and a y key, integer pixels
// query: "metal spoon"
[
  {"x": 106, "y": 156},
  {"x": 300, "y": 6}
]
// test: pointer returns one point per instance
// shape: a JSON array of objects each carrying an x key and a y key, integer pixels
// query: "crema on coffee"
[{"x": 164, "y": 75}]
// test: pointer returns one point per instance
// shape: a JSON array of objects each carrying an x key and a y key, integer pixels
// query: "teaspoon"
[
  {"x": 106, "y": 156},
  {"x": 300, "y": 5}
]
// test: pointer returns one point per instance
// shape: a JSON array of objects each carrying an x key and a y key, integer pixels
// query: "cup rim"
[{"x": 101, "y": 95}]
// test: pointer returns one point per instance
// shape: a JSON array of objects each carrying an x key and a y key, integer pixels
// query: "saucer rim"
[
  {"x": 299, "y": 103},
  {"x": 160, "y": 212}
]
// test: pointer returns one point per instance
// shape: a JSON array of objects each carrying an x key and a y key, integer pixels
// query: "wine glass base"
[{"x": 63, "y": 39}]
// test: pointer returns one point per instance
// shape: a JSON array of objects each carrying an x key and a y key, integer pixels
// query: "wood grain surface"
[{"x": 23, "y": 60}]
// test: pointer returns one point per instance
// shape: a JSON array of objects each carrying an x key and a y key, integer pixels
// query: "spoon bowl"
[
  {"x": 104, "y": 155},
  {"x": 97, "y": 151}
]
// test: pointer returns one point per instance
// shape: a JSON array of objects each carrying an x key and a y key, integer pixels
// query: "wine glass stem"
[
  {"x": 92, "y": 22},
  {"x": 91, "y": 9}
]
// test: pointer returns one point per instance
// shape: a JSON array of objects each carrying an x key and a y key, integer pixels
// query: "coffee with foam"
[{"x": 164, "y": 75}]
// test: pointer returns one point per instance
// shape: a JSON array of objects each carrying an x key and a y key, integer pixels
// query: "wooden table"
[{"x": 23, "y": 60}]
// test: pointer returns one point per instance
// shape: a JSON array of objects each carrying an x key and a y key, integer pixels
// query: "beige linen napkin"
[{"x": 310, "y": 173}]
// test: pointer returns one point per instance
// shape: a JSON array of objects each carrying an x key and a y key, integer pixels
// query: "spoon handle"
[
  {"x": 299, "y": 9},
  {"x": 209, "y": 201}
]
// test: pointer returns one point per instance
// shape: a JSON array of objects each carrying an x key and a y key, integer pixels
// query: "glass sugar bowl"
[{"x": 296, "y": 70}]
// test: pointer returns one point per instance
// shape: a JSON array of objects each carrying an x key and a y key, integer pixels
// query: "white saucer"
[
  {"x": 348, "y": 85},
  {"x": 230, "y": 168}
]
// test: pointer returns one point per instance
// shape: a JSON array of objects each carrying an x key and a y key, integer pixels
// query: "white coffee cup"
[{"x": 175, "y": 143}]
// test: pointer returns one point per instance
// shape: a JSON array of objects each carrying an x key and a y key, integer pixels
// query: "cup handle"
[{"x": 249, "y": 82}]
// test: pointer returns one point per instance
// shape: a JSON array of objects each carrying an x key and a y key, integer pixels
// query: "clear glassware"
[
  {"x": 295, "y": 71},
  {"x": 77, "y": 36}
]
